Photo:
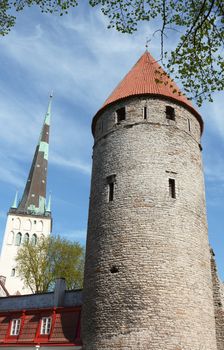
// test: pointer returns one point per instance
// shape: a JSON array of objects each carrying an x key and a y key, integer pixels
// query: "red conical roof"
[{"x": 145, "y": 79}]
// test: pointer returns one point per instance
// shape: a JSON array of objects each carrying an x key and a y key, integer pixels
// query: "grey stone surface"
[
  {"x": 161, "y": 298},
  {"x": 218, "y": 293}
]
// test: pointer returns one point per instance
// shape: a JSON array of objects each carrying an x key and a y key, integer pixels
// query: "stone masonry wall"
[
  {"x": 218, "y": 293},
  {"x": 148, "y": 282}
]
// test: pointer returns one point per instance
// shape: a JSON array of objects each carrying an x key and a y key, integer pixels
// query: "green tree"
[
  {"x": 196, "y": 25},
  {"x": 53, "y": 257}
]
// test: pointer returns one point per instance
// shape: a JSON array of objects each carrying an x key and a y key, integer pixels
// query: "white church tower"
[{"x": 29, "y": 219}]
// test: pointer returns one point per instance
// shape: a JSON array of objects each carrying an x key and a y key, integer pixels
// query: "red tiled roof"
[
  {"x": 145, "y": 78},
  {"x": 4, "y": 322},
  {"x": 29, "y": 328},
  {"x": 65, "y": 327}
]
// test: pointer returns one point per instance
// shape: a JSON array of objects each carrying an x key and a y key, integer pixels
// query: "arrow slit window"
[
  {"x": 172, "y": 188},
  {"x": 110, "y": 183},
  {"x": 145, "y": 112}
]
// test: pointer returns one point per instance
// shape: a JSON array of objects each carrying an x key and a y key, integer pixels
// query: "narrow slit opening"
[
  {"x": 189, "y": 124},
  {"x": 145, "y": 113},
  {"x": 172, "y": 189},
  {"x": 111, "y": 191}
]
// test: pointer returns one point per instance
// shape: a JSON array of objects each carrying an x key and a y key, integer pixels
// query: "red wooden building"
[{"x": 41, "y": 321}]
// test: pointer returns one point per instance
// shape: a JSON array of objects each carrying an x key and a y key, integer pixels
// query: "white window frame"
[
  {"x": 45, "y": 325},
  {"x": 15, "y": 326}
]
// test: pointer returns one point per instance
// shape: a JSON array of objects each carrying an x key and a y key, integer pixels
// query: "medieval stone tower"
[
  {"x": 147, "y": 277},
  {"x": 29, "y": 219}
]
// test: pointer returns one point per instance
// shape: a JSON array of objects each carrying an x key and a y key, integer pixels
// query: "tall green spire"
[{"x": 34, "y": 196}]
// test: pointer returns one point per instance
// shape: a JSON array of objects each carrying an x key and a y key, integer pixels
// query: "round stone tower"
[{"x": 147, "y": 275}]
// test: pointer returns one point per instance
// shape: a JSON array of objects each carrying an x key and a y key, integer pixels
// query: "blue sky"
[{"x": 82, "y": 61}]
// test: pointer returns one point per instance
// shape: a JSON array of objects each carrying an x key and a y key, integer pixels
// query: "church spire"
[{"x": 34, "y": 196}]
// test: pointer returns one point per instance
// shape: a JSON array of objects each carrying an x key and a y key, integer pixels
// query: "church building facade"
[{"x": 30, "y": 218}]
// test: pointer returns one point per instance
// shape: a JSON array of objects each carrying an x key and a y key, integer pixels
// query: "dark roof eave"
[{"x": 191, "y": 109}]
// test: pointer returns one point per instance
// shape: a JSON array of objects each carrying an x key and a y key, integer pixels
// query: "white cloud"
[
  {"x": 71, "y": 163},
  {"x": 82, "y": 62},
  {"x": 55, "y": 59}
]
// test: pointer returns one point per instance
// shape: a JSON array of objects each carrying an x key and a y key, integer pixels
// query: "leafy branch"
[{"x": 197, "y": 60}]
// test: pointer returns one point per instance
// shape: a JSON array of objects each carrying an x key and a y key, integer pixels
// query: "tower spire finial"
[
  {"x": 48, "y": 114},
  {"x": 147, "y": 42}
]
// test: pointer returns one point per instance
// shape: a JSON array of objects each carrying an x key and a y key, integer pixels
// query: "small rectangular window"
[
  {"x": 120, "y": 114},
  {"x": 15, "y": 326},
  {"x": 145, "y": 112},
  {"x": 170, "y": 113},
  {"x": 45, "y": 325},
  {"x": 172, "y": 189},
  {"x": 110, "y": 182}
]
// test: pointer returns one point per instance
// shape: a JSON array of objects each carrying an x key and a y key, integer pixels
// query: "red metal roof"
[{"x": 145, "y": 79}]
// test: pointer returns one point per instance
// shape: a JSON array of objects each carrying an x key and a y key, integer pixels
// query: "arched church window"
[
  {"x": 34, "y": 239},
  {"x": 40, "y": 226},
  {"x": 18, "y": 238},
  {"x": 13, "y": 272},
  {"x": 26, "y": 238},
  {"x": 27, "y": 225},
  {"x": 10, "y": 238},
  {"x": 17, "y": 224}
]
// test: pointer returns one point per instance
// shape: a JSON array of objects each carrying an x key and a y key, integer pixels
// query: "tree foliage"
[
  {"x": 53, "y": 257},
  {"x": 197, "y": 26}
]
